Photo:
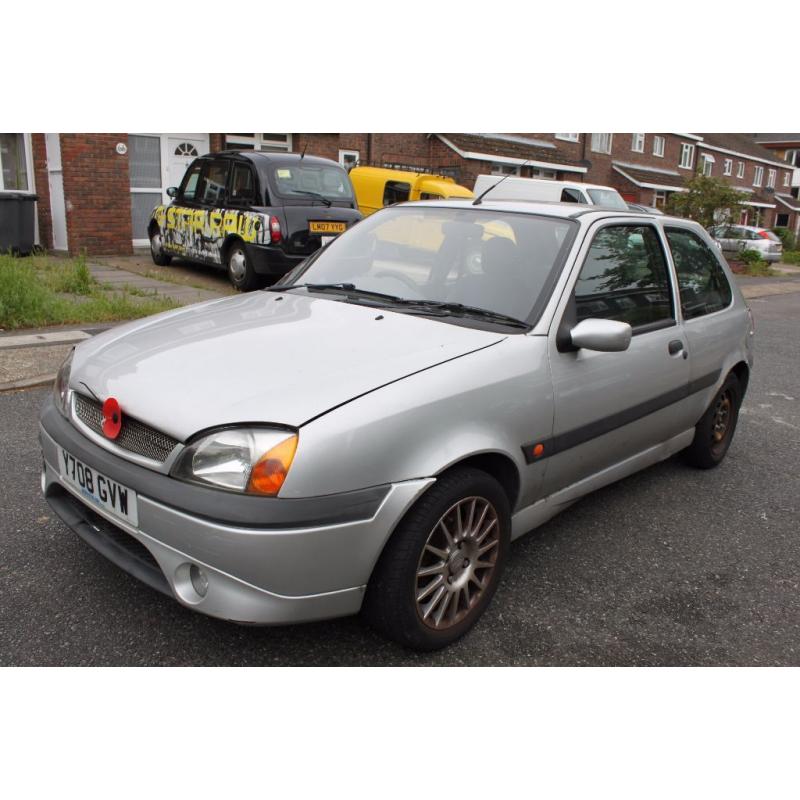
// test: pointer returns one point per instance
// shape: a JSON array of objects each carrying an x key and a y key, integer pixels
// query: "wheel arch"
[
  {"x": 742, "y": 372},
  {"x": 499, "y": 466},
  {"x": 227, "y": 243}
]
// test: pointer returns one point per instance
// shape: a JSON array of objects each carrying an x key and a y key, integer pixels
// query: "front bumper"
[{"x": 261, "y": 573}]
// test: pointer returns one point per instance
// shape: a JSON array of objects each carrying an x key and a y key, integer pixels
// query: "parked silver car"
[
  {"x": 372, "y": 432},
  {"x": 733, "y": 239}
]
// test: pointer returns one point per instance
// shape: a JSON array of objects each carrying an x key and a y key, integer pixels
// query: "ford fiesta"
[{"x": 372, "y": 432}]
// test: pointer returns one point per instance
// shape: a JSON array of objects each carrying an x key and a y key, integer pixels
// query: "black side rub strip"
[{"x": 569, "y": 439}]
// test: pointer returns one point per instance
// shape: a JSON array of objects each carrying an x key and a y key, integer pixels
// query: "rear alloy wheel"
[
  {"x": 240, "y": 270},
  {"x": 714, "y": 432},
  {"x": 438, "y": 572},
  {"x": 160, "y": 258}
]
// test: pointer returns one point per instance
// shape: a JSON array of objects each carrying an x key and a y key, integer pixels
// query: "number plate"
[
  {"x": 109, "y": 495},
  {"x": 327, "y": 227}
]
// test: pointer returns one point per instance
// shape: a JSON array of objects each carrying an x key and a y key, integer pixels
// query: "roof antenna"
[
  {"x": 304, "y": 151},
  {"x": 477, "y": 200}
]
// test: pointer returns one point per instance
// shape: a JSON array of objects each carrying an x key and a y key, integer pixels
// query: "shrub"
[
  {"x": 791, "y": 257},
  {"x": 749, "y": 257},
  {"x": 786, "y": 237}
]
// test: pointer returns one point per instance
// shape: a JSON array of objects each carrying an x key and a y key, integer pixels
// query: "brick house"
[
  {"x": 786, "y": 147},
  {"x": 96, "y": 190}
]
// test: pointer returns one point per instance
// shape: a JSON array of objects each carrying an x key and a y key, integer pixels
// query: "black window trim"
[{"x": 719, "y": 258}]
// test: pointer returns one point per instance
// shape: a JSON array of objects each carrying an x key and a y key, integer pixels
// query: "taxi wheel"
[
  {"x": 160, "y": 258},
  {"x": 240, "y": 270},
  {"x": 714, "y": 432},
  {"x": 439, "y": 571}
]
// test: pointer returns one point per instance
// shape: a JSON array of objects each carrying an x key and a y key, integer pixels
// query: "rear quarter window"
[{"x": 703, "y": 285}]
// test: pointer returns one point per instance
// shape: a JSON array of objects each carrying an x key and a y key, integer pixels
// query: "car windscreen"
[
  {"x": 298, "y": 181},
  {"x": 607, "y": 198},
  {"x": 503, "y": 262}
]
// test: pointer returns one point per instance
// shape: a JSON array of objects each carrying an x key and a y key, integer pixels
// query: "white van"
[{"x": 514, "y": 188}]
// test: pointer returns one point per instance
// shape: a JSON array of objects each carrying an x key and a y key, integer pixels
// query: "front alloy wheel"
[
  {"x": 160, "y": 258},
  {"x": 438, "y": 572},
  {"x": 240, "y": 270}
]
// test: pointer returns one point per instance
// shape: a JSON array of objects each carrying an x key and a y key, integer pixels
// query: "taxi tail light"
[
  {"x": 275, "y": 234},
  {"x": 269, "y": 472}
]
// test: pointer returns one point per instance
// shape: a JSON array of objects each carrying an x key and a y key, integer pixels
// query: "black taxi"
[{"x": 252, "y": 213}]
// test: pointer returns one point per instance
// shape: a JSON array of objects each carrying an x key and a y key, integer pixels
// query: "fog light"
[{"x": 199, "y": 580}]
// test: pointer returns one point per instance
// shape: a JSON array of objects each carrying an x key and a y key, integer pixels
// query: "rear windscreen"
[{"x": 307, "y": 180}]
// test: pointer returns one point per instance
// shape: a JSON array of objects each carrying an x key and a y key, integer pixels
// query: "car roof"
[
  {"x": 262, "y": 158},
  {"x": 549, "y": 209}
]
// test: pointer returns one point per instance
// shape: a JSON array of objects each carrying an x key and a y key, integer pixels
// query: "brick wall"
[
  {"x": 96, "y": 193},
  {"x": 42, "y": 190}
]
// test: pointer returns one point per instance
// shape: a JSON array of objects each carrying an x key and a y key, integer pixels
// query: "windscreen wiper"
[
  {"x": 459, "y": 309},
  {"x": 315, "y": 195},
  {"x": 349, "y": 288}
]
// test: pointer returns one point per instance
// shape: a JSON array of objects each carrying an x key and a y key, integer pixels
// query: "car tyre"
[
  {"x": 714, "y": 432},
  {"x": 441, "y": 567},
  {"x": 240, "y": 271},
  {"x": 160, "y": 258}
]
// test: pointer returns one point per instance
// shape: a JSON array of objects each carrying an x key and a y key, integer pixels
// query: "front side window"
[
  {"x": 190, "y": 180},
  {"x": 572, "y": 196},
  {"x": 758, "y": 176},
  {"x": 211, "y": 191},
  {"x": 601, "y": 142},
  {"x": 396, "y": 192},
  {"x": 637, "y": 142},
  {"x": 502, "y": 262},
  {"x": 625, "y": 278},
  {"x": 658, "y": 146},
  {"x": 687, "y": 155},
  {"x": 704, "y": 288}
]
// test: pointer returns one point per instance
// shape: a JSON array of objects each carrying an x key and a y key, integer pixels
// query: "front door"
[
  {"x": 610, "y": 406},
  {"x": 181, "y": 151}
]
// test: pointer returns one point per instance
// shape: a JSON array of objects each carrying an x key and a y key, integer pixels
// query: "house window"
[
  {"x": 659, "y": 198},
  {"x": 786, "y": 178},
  {"x": 269, "y": 142},
  {"x": 547, "y": 174},
  {"x": 687, "y": 155},
  {"x": 14, "y": 169},
  {"x": 758, "y": 176},
  {"x": 144, "y": 169},
  {"x": 601, "y": 142},
  {"x": 727, "y": 166},
  {"x": 568, "y": 137},
  {"x": 708, "y": 165},
  {"x": 740, "y": 169},
  {"x": 637, "y": 142},
  {"x": 658, "y": 146},
  {"x": 772, "y": 174},
  {"x": 348, "y": 159},
  {"x": 504, "y": 169},
  {"x": 782, "y": 221},
  {"x": 793, "y": 157}
]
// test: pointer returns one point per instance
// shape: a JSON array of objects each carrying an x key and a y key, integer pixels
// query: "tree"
[{"x": 709, "y": 201}]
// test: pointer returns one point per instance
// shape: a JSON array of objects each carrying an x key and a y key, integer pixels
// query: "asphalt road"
[{"x": 672, "y": 566}]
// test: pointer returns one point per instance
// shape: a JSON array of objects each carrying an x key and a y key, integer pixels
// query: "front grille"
[{"x": 134, "y": 436}]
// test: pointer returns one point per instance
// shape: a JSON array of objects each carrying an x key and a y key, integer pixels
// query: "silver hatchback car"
[{"x": 372, "y": 432}]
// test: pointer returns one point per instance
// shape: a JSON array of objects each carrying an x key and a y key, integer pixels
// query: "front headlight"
[
  {"x": 251, "y": 460},
  {"x": 61, "y": 385}
]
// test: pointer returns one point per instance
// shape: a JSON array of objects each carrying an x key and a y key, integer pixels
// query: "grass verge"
[{"x": 37, "y": 290}]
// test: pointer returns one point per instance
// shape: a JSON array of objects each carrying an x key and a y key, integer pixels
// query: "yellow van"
[{"x": 376, "y": 187}]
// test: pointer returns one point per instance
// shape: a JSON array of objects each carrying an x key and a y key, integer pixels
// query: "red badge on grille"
[{"x": 112, "y": 418}]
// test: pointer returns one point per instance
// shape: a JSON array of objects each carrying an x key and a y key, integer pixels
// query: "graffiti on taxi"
[{"x": 199, "y": 233}]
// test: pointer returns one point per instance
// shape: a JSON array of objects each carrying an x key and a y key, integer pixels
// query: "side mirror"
[
  {"x": 172, "y": 191},
  {"x": 605, "y": 335}
]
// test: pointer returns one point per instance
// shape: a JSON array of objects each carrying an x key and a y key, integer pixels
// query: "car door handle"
[{"x": 675, "y": 346}]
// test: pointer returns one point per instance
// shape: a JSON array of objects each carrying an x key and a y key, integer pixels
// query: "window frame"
[
  {"x": 181, "y": 198},
  {"x": 596, "y": 145},
  {"x": 740, "y": 169},
  {"x": 727, "y": 167},
  {"x": 686, "y": 148},
  {"x": 27, "y": 154},
  {"x": 772, "y": 177},
  {"x": 758, "y": 175},
  {"x": 787, "y": 179},
  {"x": 659, "y": 145},
  {"x": 570, "y": 310},
  {"x": 257, "y": 195},
  {"x": 257, "y": 142},
  {"x": 708, "y": 163},
  {"x": 638, "y": 139},
  {"x": 343, "y": 154},
  {"x": 716, "y": 253},
  {"x": 209, "y": 163},
  {"x": 568, "y": 137}
]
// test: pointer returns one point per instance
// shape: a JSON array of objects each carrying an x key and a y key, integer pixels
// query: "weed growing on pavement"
[{"x": 38, "y": 290}]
